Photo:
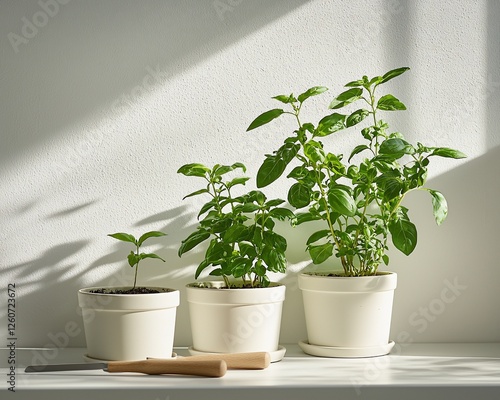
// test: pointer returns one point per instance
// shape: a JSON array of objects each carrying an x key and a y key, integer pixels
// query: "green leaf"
[
  {"x": 299, "y": 195},
  {"x": 404, "y": 235},
  {"x": 246, "y": 208},
  {"x": 334, "y": 163},
  {"x": 196, "y": 193},
  {"x": 393, "y": 73},
  {"x": 321, "y": 253},
  {"x": 236, "y": 233},
  {"x": 356, "y": 117},
  {"x": 148, "y": 235},
  {"x": 271, "y": 169},
  {"x": 260, "y": 270},
  {"x": 247, "y": 250},
  {"x": 375, "y": 81},
  {"x": 124, "y": 237},
  {"x": 341, "y": 201},
  {"x": 240, "y": 166},
  {"x": 392, "y": 188},
  {"x": 237, "y": 181},
  {"x": 448, "y": 153},
  {"x": 314, "y": 91},
  {"x": 330, "y": 124},
  {"x": 317, "y": 236},
  {"x": 314, "y": 151},
  {"x": 285, "y": 99},
  {"x": 287, "y": 152},
  {"x": 257, "y": 196},
  {"x": 276, "y": 241},
  {"x": 239, "y": 266},
  {"x": 439, "y": 206},
  {"x": 274, "y": 202},
  {"x": 193, "y": 240},
  {"x": 142, "y": 256},
  {"x": 217, "y": 251},
  {"x": 281, "y": 214},
  {"x": 206, "y": 207},
  {"x": 390, "y": 103},
  {"x": 357, "y": 83},
  {"x": 298, "y": 173},
  {"x": 347, "y": 97},
  {"x": 307, "y": 217},
  {"x": 133, "y": 259},
  {"x": 222, "y": 169},
  {"x": 396, "y": 147},
  {"x": 358, "y": 149},
  {"x": 204, "y": 264},
  {"x": 193, "y": 170},
  {"x": 265, "y": 118},
  {"x": 274, "y": 260}
]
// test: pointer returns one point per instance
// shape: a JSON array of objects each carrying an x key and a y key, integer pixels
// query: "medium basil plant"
[
  {"x": 243, "y": 245},
  {"x": 360, "y": 203}
]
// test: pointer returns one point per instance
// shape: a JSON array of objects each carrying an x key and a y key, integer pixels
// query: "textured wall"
[{"x": 101, "y": 102}]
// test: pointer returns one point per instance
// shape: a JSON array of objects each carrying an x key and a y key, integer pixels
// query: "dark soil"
[{"x": 137, "y": 290}]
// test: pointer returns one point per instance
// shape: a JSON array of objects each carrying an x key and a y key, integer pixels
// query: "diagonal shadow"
[{"x": 92, "y": 49}]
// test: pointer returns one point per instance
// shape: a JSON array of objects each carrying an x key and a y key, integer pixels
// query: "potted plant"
[
  {"x": 241, "y": 310},
  {"x": 359, "y": 205},
  {"x": 129, "y": 323}
]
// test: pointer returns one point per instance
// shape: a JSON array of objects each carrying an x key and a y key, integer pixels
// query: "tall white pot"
[
  {"x": 129, "y": 326},
  {"x": 351, "y": 315},
  {"x": 235, "y": 320}
]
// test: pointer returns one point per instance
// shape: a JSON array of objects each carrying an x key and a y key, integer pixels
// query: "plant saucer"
[
  {"x": 275, "y": 355},
  {"x": 87, "y": 358},
  {"x": 345, "y": 352}
]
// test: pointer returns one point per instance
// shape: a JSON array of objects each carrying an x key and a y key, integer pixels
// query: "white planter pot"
[
  {"x": 129, "y": 326},
  {"x": 235, "y": 320},
  {"x": 348, "y": 316}
]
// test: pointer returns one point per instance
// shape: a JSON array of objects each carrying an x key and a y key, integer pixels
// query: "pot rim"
[
  {"x": 169, "y": 298},
  {"x": 161, "y": 289},
  {"x": 383, "y": 281},
  {"x": 274, "y": 293},
  {"x": 221, "y": 285}
]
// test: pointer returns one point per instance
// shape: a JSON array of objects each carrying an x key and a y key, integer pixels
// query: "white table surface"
[{"x": 411, "y": 371}]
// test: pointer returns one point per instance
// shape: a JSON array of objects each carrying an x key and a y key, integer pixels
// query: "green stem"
[{"x": 136, "y": 267}]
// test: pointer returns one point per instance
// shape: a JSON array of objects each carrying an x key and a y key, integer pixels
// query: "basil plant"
[
  {"x": 134, "y": 258},
  {"x": 360, "y": 203},
  {"x": 243, "y": 245}
]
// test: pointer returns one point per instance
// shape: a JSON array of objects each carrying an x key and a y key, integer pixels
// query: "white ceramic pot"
[
  {"x": 349, "y": 312},
  {"x": 129, "y": 326},
  {"x": 235, "y": 320}
]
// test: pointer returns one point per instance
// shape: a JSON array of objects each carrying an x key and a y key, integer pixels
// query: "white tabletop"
[{"x": 411, "y": 371}]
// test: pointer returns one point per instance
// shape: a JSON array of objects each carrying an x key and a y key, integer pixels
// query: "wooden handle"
[
  {"x": 212, "y": 368},
  {"x": 254, "y": 360}
]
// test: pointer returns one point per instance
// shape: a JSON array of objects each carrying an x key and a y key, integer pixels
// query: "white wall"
[{"x": 103, "y": 101}]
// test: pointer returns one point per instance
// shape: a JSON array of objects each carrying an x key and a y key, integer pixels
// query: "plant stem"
[{"x": 136, "y": 266}]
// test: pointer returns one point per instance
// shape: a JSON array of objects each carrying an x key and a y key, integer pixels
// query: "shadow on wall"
[
  {"x": 84, "y": 56},
  {"x": 47, "y": 285},
  {"x": 459, "y": 258}
]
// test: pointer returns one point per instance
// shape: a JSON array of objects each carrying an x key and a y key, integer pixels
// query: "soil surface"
[{"x": 137, "y": 290}]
